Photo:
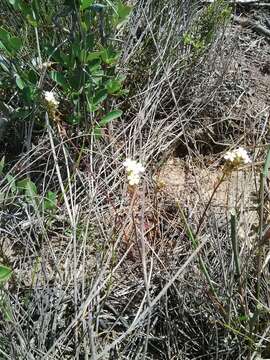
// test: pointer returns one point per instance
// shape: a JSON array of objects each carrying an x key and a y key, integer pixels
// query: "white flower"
[
  {"x": 134, "y": 170},
  {"x": 229, "y": 156},
  {"x": 133, "y": 166},
  {"x": 242, "y": 154},
  {"x": 237, "y": 157},
  {"x": 50, "y": 98},
  {"x": 133, "y": 179}
]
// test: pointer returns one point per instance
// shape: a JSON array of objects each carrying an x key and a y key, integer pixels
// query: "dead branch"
[{"x": 258, "y": 28}]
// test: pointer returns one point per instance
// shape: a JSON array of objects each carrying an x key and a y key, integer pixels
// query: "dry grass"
[{"x": 112, "y": 273}]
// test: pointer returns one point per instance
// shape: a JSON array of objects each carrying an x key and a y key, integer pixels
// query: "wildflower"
[
  {"x": 237, "y": 157},
  {"x": 134, "y": 170},
  {"x": 50, "y": 99},
  {"x": 133, "y": 166},
  {"x": 133, "y": 179}
]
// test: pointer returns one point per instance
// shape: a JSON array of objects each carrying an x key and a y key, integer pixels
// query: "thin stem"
[{"x": 209, "y": 203}]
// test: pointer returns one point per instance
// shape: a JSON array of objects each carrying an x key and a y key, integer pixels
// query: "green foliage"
[
  {"x": 5, "y": 310},
  {"x": 73, "y": 51},
  {"x": 27, "y": 190},
  {"x": 204, "y": 30},
  {"x": 5, "y": 273},
  {"x": 85, "y": 4},
  {"x": 106, "y": 120},
  {"x": 2, "y": 165},
  {"x": 10, "y": 44},
  {"x": 50, "y": 201}
]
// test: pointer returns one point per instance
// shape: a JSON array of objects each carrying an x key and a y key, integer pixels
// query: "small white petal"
[
  {"x": 127, "y": 162},
  {"x": 134, "y": 169},
  {"x": 133, "y": 179},
  {"x": 130, "y": 165},
  {"x": 50, "y": 98},
  {"x": 139, "y": 168},
  {"x": 237, "y": 156}
]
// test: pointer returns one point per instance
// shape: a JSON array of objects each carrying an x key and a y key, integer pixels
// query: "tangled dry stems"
[{"x": 112, "y": 274}]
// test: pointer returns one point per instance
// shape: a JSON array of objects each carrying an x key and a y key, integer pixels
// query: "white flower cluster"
[
  {"x": 50, "y": 98},
  {"x": 134, "y": 170},
  {"x": 237, "y": 157}
]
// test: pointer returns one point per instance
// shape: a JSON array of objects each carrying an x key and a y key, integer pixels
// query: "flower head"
[
  {"x": 237, "y": 157},
  {"x": 134, "y": 170},
  {"x": 133, "y": 179},
  {"x": 133, "y": 166},
  {"x": 50, "y": 99}
]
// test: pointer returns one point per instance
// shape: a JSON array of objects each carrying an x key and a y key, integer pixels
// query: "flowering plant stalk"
[
  {"x": 233, "y": 160},
  {"x": 51, "y": 103},
  {"x": 134, "y": 170}
]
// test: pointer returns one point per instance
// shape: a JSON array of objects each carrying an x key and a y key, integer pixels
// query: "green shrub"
[
  {"x": 72, "y": 52},
  {"x": 204, "y": 29}
]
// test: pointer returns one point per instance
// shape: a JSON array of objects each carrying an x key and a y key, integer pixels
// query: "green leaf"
[
  {"x": 105, "y": 120},
  {"x": 91, "y": 107},
  {"x": 100, "y": 96},
  {"x": 31, "y": 20},
  {"x": 243, "y": 318},
  {"x": 84, "y": 26},
  {"x": 75, "y": 79},
  {"x": 16, "y": 43},
  {"x": 25, "y": 9},
  {"x": 22, "y": 184},
  {"x": 94, "y": 55},
  {"x": 76, "y": 47},
  {"x": 29, "y": 94},
  {"x": 59, "y": 78},
  {"x": 28, "y": 187},
  {"x": 85, "y": 4},
  {"x": 110, "y": 56},
  {"x": 2, "y": 165},
  {"x": 113, "y": 86},
  {"x": 32, "y": 76},
  {"x": 4, "y": 35},
  {"x": 123, "y": 12},
  {"x": 5, "y": 273},
  {"x": 11, "y": 181},
  {"x": 19, "y": 82},
  {"x": 50, "y": 201},
  {"x": 8, "y": 42},
  {"x": 109, "y": 117}
]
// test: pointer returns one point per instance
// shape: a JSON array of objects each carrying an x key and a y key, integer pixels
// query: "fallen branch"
[{"x": 258, "y": 28}]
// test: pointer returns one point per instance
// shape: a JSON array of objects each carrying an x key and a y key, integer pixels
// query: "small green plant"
[
  {"x": 204, "y": 30},
  {"x": 27, "y": 190},
  {"x": 5, "y": 309},
  {"x": 5, "y": 273}
]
